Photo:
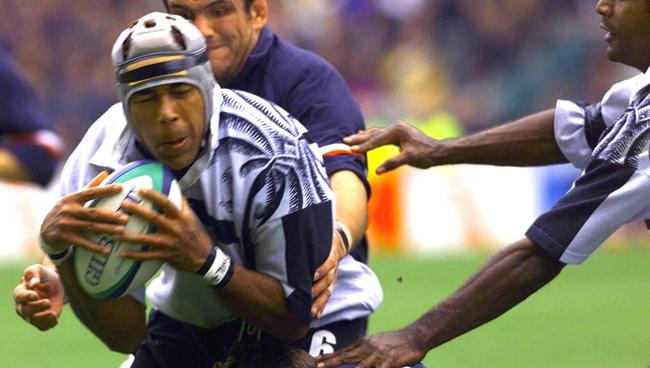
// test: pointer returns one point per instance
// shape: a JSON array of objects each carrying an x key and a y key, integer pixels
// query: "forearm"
[
  {"x": 506, "y": 280},
  {"x": 529, "y": 141},
  {"x": 260, "y": 300},
  {"x": 119, "y": 323},
  {"x": 11, "y": 169},
  {"x": 351, "y": 204}
]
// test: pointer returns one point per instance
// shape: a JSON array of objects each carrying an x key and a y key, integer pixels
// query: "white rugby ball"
[{"x": 111, "y": 276}]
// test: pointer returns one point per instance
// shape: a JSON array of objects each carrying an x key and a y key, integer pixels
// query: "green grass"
[{"x": 594, "y": 315}]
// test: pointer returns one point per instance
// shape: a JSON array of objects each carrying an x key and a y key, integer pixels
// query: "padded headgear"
[{"x": 159, "y": 49}]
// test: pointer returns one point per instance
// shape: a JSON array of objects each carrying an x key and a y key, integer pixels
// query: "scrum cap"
[{"x": 159, "y": 49}]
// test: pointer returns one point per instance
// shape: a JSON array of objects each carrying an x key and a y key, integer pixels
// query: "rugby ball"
[{"x": 111, "y": 276}]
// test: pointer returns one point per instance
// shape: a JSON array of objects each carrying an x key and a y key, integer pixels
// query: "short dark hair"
[
  {"x": 247, "y": 5},
  {"x": 266, "y": 354}
]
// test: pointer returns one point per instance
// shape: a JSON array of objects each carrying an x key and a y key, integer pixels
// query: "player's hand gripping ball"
[{"x": 111, "y": 276}]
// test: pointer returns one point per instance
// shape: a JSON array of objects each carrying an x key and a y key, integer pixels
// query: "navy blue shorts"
[{"x": 170, "y": 343}]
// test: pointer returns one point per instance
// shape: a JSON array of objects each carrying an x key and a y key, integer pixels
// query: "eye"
[
  {"x": 141, "y": 99},
  {"x": 181, "y": 90},
  {"x": 218, "y": 11}
]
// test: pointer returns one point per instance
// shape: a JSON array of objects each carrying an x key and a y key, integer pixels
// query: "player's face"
[
  {"x": 627, "y": 23},
  {"x": 231, "y": 32},
  {"x": 169, "y": 120}
]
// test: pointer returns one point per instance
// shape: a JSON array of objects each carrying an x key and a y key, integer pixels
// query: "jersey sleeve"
[
  {"x": 606, "y": 196},
  {"x": 578, "y": 126}
]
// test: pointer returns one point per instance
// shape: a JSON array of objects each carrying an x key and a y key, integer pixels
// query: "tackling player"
[{"x": 257, "y": 220}]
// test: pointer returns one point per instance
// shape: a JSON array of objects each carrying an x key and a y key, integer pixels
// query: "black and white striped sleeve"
[
  {"x": 605, "y": 197},
  {"x": 578, "y": 126}
]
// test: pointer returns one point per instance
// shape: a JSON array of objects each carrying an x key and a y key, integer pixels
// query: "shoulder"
[
  {"x": 100, "y": 140},
  {"x": 256, "y": 114},
  {"x": 285, "y": 57},
  {"x": 107, "y": 128}
]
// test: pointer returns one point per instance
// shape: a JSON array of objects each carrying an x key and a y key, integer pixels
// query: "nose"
[
  {"x": 167, "y": 110},
  {"x": 604, "y": 7},
  {"x": 202, "y": 22}
]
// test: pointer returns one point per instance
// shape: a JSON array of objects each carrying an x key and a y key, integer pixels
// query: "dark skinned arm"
[
  {"x": 529, "y": 141},
  {"x": 508, "y": 278}
]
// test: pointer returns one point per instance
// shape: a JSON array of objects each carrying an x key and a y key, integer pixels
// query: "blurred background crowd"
[
  {"x": 450, "y": 67},
  {"x": 476, "y": 63}
]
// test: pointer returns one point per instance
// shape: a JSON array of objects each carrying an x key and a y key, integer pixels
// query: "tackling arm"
[
  {"x": 529, "y": 141},
  {"x": 351, "y": 204},
  {"x": 352, "y": 216},
  {"x": 525, "y": 142},
  {"x": 508, "y": 278}
]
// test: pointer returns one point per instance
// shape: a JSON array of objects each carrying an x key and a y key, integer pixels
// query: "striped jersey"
[
  {"x": 260, "y": 190},
  {"x": 610, "y": 141}
]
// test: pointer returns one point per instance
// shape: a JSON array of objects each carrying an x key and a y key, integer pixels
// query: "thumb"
[{"x": 32, "y": 276}]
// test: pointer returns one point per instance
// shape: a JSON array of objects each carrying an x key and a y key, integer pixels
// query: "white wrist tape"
[
  {"x": 56, "y": 256},
  {"x": 217, "y": 270}
]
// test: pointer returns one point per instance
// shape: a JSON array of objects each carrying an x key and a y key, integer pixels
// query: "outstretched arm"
[
  {"x": 528, "y": 141},
  {"x": 508, "y": 278}
]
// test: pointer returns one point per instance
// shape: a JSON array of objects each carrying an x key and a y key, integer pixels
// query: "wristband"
[
  {"x": 56, "y": 256},
  {"x": 218, "y": 268},
  {"x": 344, "y": 233}
]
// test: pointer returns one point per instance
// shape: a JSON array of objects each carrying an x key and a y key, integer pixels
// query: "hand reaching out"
[{"x": 416, "y": 148}]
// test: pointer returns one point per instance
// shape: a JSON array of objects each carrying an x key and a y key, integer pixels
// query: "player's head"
[
  {"x": 166, "y": 86},
  {"x": 627, "y": 24},
  {"x": 231, "y": 29},
  {"x": 267, "y": 354}
]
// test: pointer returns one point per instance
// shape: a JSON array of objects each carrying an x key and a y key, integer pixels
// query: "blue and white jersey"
[
  {"x": 260, "y": 190},
  {"x": 610, "y": 141}
]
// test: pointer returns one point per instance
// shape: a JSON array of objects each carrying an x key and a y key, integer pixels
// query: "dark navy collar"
[{"x": 259, "y": 54}]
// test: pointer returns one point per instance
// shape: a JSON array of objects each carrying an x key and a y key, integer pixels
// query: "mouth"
[
  {"x": 609, "y": 35},
  {"x": 176, "y": 143}
]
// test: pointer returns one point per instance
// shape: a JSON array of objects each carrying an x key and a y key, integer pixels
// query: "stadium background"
[{"x": 451, "y": 67}]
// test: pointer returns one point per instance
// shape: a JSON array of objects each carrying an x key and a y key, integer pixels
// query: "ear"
[{"x": 259, "y": 12}]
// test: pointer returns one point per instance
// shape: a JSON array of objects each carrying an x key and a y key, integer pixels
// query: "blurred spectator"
[
  {"x": 481, "y": 61},
  {"x": 29, "y": 148}
]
